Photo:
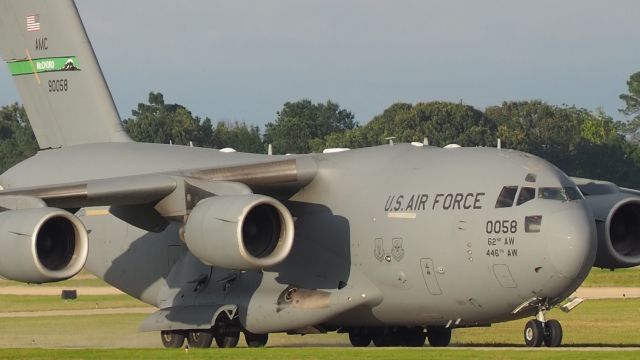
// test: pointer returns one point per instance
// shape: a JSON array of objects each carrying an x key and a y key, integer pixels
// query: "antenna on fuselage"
[{"x": 390, "y": 138}]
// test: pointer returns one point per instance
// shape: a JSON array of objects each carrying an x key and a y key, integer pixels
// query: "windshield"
[{"x": 559, "y": 193}]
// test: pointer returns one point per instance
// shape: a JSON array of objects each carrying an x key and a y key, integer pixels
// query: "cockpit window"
[
  {"x": 560, "y": 193},
  {"x": 526, "y": 194},
  {"x": 532, "y": 223},
  {"x": 552, "y": 193},
  {"x": 506, "y": 197},
  {"x": 573, "y": 193}
]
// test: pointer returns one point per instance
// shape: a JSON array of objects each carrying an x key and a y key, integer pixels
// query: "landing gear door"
[{"x": 429, "y": 274}]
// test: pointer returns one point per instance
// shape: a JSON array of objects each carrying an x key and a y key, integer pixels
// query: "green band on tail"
[{"x": 23, "y": 67}]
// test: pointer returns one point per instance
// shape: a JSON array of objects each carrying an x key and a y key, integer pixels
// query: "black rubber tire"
[
  {"x": 228, "y": 340},
  {"x": 414, "y": 337},
  {"x": 438, "y": 336},
  {"x": 359, "y": 337},
  {"x": 172, "y": 338},
  {"x": 397, "y": 336},
  {"x": 533, "y": 333},
  {"x": 256, "y": 340},
  {"x": 552, "y": 333},
  {"x": 200, "y": 338},
  {"x": 381, "y": 338}
]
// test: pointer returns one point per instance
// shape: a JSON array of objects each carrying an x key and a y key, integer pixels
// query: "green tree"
[
  {"x": 158, "y": 122},
  {"x": 580, "y": 142},
  {"x": 300, "y": 122},
  {"x": 632, "y": 107},
  {"x": 536, "y": 127},
  {"x": 17, "y": 141},
  {"x": 239, "y": 136},
  {"x": 441, "y": 123},
  {"x": 356, "y": 138}
]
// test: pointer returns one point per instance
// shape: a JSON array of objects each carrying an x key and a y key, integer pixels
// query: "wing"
[{"x": 167, "y": 195}]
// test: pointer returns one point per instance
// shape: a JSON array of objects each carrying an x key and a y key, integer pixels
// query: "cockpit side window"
[
  {"x": 526, "y": 194},
  {"x": 560, "y": 193},
  {"x": 506, "y": 197},
  {"x": 552, "y": 193},
  {"x": 573, "y": 193}
]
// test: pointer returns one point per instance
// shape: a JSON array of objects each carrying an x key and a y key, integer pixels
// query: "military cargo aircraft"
[{"x": 395, "y": 244}]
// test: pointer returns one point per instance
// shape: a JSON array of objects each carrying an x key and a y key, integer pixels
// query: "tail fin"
[{"x": 58, "y": 77}]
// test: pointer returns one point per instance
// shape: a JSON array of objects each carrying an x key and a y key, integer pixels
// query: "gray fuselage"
[{"x": 418, "y": 229}]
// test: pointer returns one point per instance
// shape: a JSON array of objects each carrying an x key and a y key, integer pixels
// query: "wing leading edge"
[{"x": 172, "y": 194}]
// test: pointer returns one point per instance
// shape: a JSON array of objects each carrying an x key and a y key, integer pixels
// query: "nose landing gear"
[{"x": 539, "y": 331}]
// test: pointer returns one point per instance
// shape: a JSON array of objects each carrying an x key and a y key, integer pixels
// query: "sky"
[{"x": 242, "y": 60}]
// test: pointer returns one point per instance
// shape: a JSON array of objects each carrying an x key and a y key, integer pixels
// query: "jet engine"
[
  {"x": 41, "y": 245},
  {"x": 617, "y": 217},
  {"x": 239, "y": 231}
]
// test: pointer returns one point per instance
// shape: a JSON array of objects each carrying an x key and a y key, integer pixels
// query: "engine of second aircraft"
[
  {"x": 617, "y": 218},
  {"x": 240, "y": 231}
]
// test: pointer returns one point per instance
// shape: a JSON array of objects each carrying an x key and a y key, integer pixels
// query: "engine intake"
[
  {"x": 41, "y": 245},
  {"x": 240, "y": 231},
  {"x": 618, "y": 223}
]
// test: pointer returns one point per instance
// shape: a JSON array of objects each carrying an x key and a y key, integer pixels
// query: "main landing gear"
[
  {"x": 225, "y": 333},
  {"x": 438, "y": 336},
  {"x": 204, "y": 338},
  {"x": 539, "y": 331}
]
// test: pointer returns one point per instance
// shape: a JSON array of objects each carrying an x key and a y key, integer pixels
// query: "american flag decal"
[{"x": 33, "y": 23}]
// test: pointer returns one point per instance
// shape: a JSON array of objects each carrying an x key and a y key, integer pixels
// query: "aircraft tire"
[
  {"x": 397, "y": 336},
  {"x": 534, "y": 333},
  {"x": 256, "y": 340},
  {"x": 200, "y": 338},
  {"x": 172, "y": 339},
  {"x": 228, "y": 340},
  {"x": 414, "y": 337},
  {"x": 552, "y": 333},
  {"x": 381, "y": 338},
  {"x": 359, "y": 337},
  {"x": 438, "y": 336}
]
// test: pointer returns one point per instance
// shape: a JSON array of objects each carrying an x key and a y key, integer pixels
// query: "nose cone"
[{"x": 571, "y": 240}]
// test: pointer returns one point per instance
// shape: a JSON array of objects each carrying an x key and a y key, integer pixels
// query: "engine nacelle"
[
  {"x": 240, "y": 231},
  {"x": 617, "y": 218},
  {"x": 41, "y": 245}
]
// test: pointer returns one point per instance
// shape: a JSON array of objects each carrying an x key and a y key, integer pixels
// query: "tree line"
[{"x": 581, "y": 142}]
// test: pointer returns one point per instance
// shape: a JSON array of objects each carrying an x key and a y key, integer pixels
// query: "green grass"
[
  {"x": 597, "y": 323},
  {"x": 310, "y": 353},
  {"x": 14, "y": 303},
  {"x": 99, "y": 331},
  {"x": 620, "y": 277},
  {"x": 594, "y": 323}
]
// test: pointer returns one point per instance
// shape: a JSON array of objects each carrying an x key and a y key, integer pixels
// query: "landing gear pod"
[
  {"x": 41, "y": 245},
  {"x": 240, "y": 232}
]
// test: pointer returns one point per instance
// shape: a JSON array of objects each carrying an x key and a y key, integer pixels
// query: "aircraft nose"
[{"x": 571, "y": 245}]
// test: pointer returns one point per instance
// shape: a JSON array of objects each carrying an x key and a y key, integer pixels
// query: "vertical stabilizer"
[{"x": 58, "y": 77}]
